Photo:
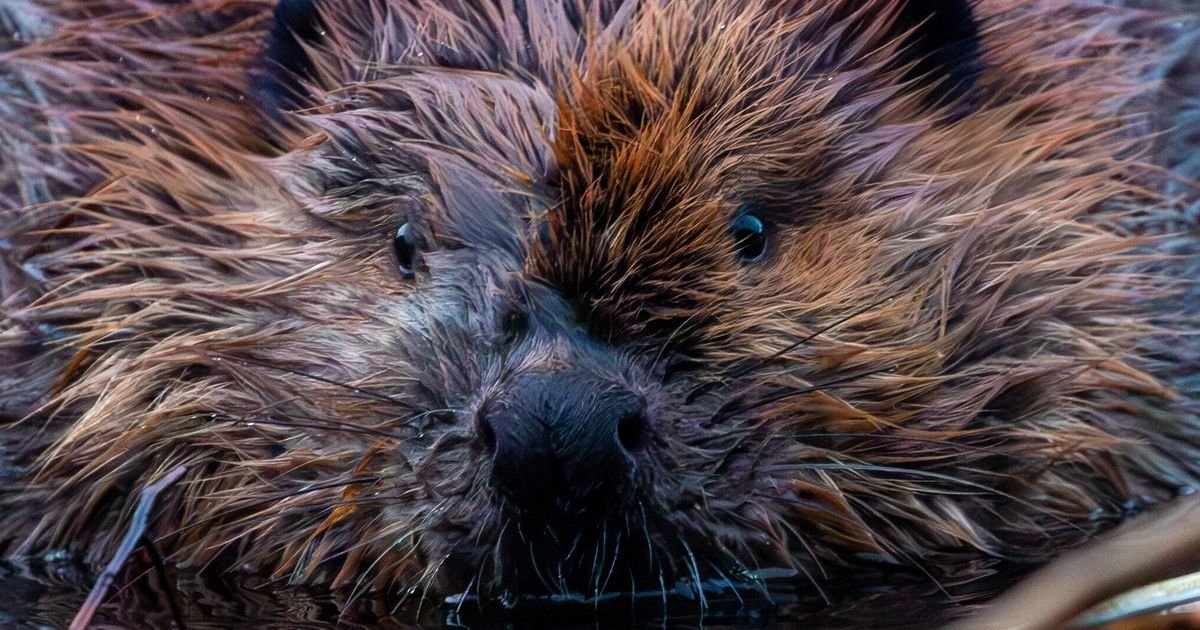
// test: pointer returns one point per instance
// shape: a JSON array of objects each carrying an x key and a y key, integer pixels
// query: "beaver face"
[
  {"x": 574, "y": 316},
  {"x": 628, "y": 295}
]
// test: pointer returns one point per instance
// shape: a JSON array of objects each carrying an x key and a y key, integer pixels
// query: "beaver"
[{"x": 581, "y": 297}]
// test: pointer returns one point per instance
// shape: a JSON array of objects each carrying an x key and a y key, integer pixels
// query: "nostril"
[
  {"x": 487, "y": 435},
  {"x": 632, "y": 432},
  {"x": 514, "y": 325}
]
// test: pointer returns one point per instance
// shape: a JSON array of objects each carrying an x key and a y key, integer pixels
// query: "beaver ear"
[
  {"x": 943, "y": 44},
  {"x": 285, "y": 63},
  {"x": 938, "y": 40}
]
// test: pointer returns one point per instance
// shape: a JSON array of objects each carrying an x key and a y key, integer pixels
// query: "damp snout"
[{"x": 564, "y": 441}]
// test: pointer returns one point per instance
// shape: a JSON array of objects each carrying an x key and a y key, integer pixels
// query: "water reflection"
[{"x": 48, "y": 592}]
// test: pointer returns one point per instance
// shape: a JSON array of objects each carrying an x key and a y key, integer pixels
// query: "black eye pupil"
[
  {"x": 406, "y": 251},
  {"x": 749, "y": 237}
]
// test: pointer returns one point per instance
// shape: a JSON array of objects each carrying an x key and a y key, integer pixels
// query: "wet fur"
[{"x": 975, "y": 370}]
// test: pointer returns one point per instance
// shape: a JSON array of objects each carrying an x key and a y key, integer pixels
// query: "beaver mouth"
[
  {"x": 580, "y": 554},
  {"x": 616, "y": 557},
  {"x": 601, "y": 568},
  {"x": 752, "y": 597}
]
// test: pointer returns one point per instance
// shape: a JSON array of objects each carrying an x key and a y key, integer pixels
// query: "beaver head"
[{"x": 583, "y": 297}]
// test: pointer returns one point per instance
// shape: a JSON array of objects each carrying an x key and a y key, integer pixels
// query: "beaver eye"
[
  {"x": 749, "y": 237},
  {"x": 406, "y": 251}
]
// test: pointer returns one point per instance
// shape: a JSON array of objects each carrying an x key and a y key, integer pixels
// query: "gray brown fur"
[{"x": 178, "y": 290}]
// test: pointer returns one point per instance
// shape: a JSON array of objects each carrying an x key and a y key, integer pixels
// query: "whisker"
[
  {"x": 494, "y": 556},
  {"x": 537, "y": 571},
  {"x": 426, "y": 582},
  {"x": 646, "y": 534},
  {"x": 315, "y": 423},
  {"x": 896, "y": 550},
  {"x": 694, "y": 570},
  {"x": 472, "y": 584},
  {"x": 783, "y": 351},
  {"x": 263, "y": 502},
  {"x": 612, "y": 567},
  {"x": 662, "y": 589},
  {"x": 346, "y": 551},
  {"x": 429, "y": 412},
  {"x": 799, "y": 566},
  {"x": 746, "y": 576},
  {"x": 729, "y": 583},
  {"x": 784, "y": 395},
  {"x": 813, "y": 335},
  {"x": 358, "y": 589},
  {"x": 667, "y": 342},
  {"x": 410, "y": 592},
  {"x": 892, "y": 437},
  {"x": 262, "y": 415},
  {"x": 812, "y": 553},
  {"x": 928, "y": 474},
  {"x": 321, "y": 507},
  {"x": 351, "y": 388}
]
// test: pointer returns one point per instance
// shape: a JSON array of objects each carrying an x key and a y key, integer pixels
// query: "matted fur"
[{"x": 988, "y": 384}]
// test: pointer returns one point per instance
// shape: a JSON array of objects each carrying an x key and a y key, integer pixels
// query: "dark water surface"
[{"x": 48, "y": 592}]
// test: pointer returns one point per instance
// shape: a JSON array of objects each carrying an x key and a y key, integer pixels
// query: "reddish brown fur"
[{"x": 163, "y": 270}]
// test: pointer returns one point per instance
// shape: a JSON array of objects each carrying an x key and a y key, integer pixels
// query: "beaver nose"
[{"x": 563, "y": 440}]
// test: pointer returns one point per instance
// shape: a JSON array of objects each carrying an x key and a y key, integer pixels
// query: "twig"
[{"x": 137, "y": 528}]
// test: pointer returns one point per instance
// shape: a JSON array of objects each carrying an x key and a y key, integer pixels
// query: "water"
[{"x": 48, "y": 592}]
